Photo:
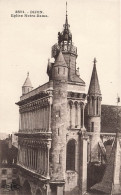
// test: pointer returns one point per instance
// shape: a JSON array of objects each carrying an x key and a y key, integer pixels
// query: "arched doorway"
[
  {"x": 70, "y": 155},
  {"x": 38, "y": 192},
  {"x": 26, "y": 189}
]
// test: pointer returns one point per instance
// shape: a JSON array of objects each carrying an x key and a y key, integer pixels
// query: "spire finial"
[
  {"x": 27, "y": 73},
  {"x": 66, "y": 8},
  {"x": 95, "y": 61},
  {"x": 66, "y": 23}
]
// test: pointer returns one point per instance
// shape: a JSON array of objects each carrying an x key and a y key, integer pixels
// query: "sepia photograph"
[{"x": 60, "y": 97}]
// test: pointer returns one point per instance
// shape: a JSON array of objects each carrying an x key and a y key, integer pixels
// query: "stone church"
[{"x": 68, "y": 144}]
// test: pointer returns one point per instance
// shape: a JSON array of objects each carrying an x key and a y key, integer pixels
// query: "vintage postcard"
[{"x": 60, "y": 90}]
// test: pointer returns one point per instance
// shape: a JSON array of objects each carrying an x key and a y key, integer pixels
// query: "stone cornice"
[
  {"x": 42, "y": 95},
  {"x": 35, "y": 104}
]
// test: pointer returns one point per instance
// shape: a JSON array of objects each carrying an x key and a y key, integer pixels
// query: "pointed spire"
[
  {"x": 60, "y": 61},
  {"x": 27, "y": 82},
  {"x": 94, "y": 87},
  {"x": 65, "y": 35},
  {"x": 66, "y": 22},
  {"x": 66, "y": 25}
]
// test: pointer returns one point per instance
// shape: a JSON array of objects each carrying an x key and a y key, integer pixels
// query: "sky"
[{"x": 25, "y": 46}]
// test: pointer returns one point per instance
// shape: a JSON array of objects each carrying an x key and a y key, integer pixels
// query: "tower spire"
[
  {"x": 66, "y": 7},
  {"x": 66, "y": 22},
  {"x": 94, "y": 87},
  {"x": 95, "y": 61}
]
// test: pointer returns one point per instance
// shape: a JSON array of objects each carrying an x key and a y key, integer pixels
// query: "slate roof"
[
  {"x": 110, "y": 121},
  {"x": 75, "y": 78},
  {"x": 106, "y": 184},
  {"x": 27, "y": 82},
  {"x": 94, "y": 87},
  {"x": 60, "y": 61}
]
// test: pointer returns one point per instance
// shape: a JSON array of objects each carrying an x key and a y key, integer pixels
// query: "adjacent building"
[{"x": 8, "y": 169}]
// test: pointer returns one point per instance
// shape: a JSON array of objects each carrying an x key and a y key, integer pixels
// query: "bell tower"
[
  {"x": 94, "y": 112},
  {"x": 68, "y": 50}
]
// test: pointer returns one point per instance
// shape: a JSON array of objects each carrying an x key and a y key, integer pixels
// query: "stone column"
[
  {"x": 49, "y": 117},
  {"x": 83, "y": 162},
  {"x": 42, "y": 159},
  {"x": 20, "y": 121},
  {"x": 28, "y": 157},
  {"x": 29, "y": 120},
  {"x": 41, "y": 165},
  {"x": 35, "y": 157},
  {"x": 44, "y": 118},
  {"x": 37, "y": 118},
  {"x": 31, "y": 158},
  {"x": 71, "y": 114},
  {"x": 23, "y": 121},
  {"x": 32, "y": 120},
  {"x": 83, "y": 115},
  {"x": 40, "y": 118}
]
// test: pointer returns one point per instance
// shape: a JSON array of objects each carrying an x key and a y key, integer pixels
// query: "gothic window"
[
  {"x": 76, "y": 115},
  {"x": 70, "y": 114},
  {"x": 93, "y": 105},
  {"x": 97, "y": 106},
  {"x": 70, "y": 155}
]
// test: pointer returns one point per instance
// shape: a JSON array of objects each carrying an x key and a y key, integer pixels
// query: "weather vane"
[{"x": 66, "y": 8}]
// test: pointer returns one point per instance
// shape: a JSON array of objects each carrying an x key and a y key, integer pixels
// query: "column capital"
[
  {"x": 49, "y": 145},
  {"x": 83, "y": 134}
]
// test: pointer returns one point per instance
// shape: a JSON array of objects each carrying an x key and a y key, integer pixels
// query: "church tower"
[
  {"x": 67, "y": 119},
  {"x": 68, "y": 50},
  {"x": 94, "y": 112}
]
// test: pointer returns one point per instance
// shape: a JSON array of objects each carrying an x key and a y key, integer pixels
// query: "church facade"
[{"x": 54, "y": 147}]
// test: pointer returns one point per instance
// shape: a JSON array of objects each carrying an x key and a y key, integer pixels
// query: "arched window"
[
  {"x": 93, "y": 105},
  {"x": 70, "y": 114},
  {"x": 76, "y": 114},
  {"x": 97, "y": 106},
  {"x": 70, "y": 155}
]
